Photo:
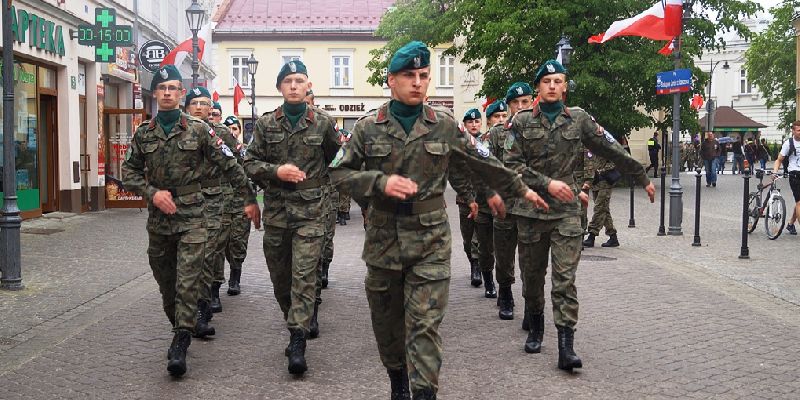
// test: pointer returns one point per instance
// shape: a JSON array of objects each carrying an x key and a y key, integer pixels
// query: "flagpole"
[{"x": 675, "y": 189}]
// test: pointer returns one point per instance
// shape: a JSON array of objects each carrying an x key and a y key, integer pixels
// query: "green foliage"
[
  {"x": 507, "y": 40},
  {"x": 771, "y": 62}
]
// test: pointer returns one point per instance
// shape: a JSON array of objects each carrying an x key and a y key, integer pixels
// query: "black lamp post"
[
  {"x": 252, "y": 66},
  {"x": 195, "y": 16},
  {"x": 564, "y": 52},
  {"x": 710, "y": 102},
  {"x": 10, "y": 220}
]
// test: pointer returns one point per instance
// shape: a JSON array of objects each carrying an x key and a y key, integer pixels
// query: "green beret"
[
  {"x": 471, "y": 114},
  {"x": 518, "y": 89},
  {"x": 497, "y": 106},
  {"x": 195, "y": 93},
  {"x": 231, "y": 120},
  {"x": 217, "y": 106},
  {"x": 548, "y": 68},
  {"x": 164, "y": 74},
  {"x": 291, "y": 67},
  {"x": 414, "y": 55}
]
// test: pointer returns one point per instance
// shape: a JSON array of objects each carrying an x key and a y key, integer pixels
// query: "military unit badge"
[
  {"x": 164, "y": 74},
  {"x": 338, "y": 159},
  {"x": 550, "y": 68},
  {"x": 292, "y": 67},
  {"x": 226, "y": 150}
]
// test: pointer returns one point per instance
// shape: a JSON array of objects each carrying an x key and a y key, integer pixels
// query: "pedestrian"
[
  {"x": 652, "y": 149},
  {"x": 762, "y": 153},
  {"x": 545, "y": 146},
  {"x": 236, "y": 247},
  {"x": 709, "y": 151},
  {"x": 750, "y": 154},
  {"x": 789, "y": 159},
  {"x": 722, "y": 157},
  {"x": 289, "y": 156},
  {"x": 405, "y": 148},
  {"x": 165, "y": 164},
  {"x": 600, "y": 177},
  {"x": 738, "y": 155},
  {"x": 465, "y": 200}
]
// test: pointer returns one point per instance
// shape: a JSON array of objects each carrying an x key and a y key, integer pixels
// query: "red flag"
[
  {"x": 186, "y": 46},
  {"x": 659, "y": 22},
  {"x": 215, "y": 96},
  {"x": 697, "y": 102},
  {"x": 668, "y": 48},
  {"x": 238, "y": 96},
  {"x": 488, "y": 102}
]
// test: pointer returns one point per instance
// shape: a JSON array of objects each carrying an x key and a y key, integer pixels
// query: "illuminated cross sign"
[{"x": 105, "y": 35}]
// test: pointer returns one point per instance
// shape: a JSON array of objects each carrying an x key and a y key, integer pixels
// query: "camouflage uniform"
[
  {"x": 505, "y": 230},
  {"x": 542, "y": 152},
  {"x": 236, "y": 247},
  {"x": 407, "y": 245},
  {"x": 160, "y": 161},
  {"x": 601, "y": 193},
  {"x": 582, "y": 176},
  {"x": 294, "y": 213},
  {"x": 332, "y": 205},
  {"x": 484, "y": 220},
  {"x": 459, "y": 178}
]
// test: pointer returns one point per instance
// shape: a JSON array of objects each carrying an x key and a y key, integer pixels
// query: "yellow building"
[{"x": 333, "y": 39}]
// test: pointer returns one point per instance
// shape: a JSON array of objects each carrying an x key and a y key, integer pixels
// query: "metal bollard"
[
  {"x": 661, "y": 229},
  {"x": 745, "y": 252},
  {"x": 696, "y": 242},
  {"x": 631, "y": 221}
]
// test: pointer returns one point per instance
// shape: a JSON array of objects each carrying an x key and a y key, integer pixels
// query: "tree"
[
  {"x": 771, "y": 62},
  {"x": 506, "y": 40}
]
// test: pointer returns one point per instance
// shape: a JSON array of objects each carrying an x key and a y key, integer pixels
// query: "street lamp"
[
  {"x": 710, "y": 102},
  {"x": 252, "y": 66},
  {"x": 195, "y": 16},
  {"x": 564, "y": 51}
]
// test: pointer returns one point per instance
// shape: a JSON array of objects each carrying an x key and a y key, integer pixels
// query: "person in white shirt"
[{"x": 790, "y": 146}]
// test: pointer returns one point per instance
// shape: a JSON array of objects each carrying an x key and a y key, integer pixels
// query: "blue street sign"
[{"x": 677, "y": 81}]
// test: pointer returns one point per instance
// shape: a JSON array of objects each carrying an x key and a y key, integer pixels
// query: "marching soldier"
[
  {"x": 236, "y": 247},
  {"x": 467, "y": 207},
  {"x": 216, "y": 112},
  {"x": 545, "y": 147},
  {"x": 343, "y": 209},
  {"x": 406, "y": 147},
  {"x": 166, "y": 164},
  {"x": 289, "y": 156},
  {"x": 603, "y": 176}
]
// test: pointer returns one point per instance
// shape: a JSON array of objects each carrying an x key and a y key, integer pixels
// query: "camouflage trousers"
[
  {"x": 236, "y": 247},
  {"x": 344, "y": 202},
  {"x": 214, "y": 258},
  {"x": 177, "y": 264},
  {"x": 536, "y": 238},
  {"x": 469, "y": 238},
  {"x": 505, "y": 247},
  {"x": 407, "y": 308},
  {"x": 327, "y": 251},
  {"x": 292, "y": 256},
  {"x": 601, "y": 218},
  {"x": 484, "y": 230}
]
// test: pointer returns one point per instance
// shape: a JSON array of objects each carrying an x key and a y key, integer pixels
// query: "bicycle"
[{"x": 772, "y": 209}]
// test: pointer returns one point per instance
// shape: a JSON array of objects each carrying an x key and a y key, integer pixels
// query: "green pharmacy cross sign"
[{"x": 105, "y": 35}]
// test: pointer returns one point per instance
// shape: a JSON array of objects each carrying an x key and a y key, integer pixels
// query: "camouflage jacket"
[
  {"x": 542, "y": 152},
  {"x": 594, "y": 169},
  {"x": 462, "y": 181},
  {"x": 497, "y": 138},
  {"x": 178, "y": 162},
  {"x": 423, "y": 155},
  {"x": 311, "y": 146},
  {"x": 234, "y": 204}
]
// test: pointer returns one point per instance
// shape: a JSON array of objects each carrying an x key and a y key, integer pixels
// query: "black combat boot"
[
  {"x": 526, "y": 322},
  {"x": 177, "y": 353},
  {"x": 325, "y": 267},
  {"x": 589, "y": 242},
  {"x": 297, "y": 352},
  {"x": 346, "y": 215},
  {"x": 506, "y": 299},
  {"x": 216, "y": 305},
  {"x": 425, "y": 394},
  {"x": 201, "y": 327},
  {"x": 488, "y": 284},
  {"x": 233, "y": 281},
  {"x": 533, "y": 344},
  {"x": 340, "y": 219},
  {"x": 399, "y": 381},
  {"x": 567, "y": 359},
  {"x": 313, "y": 326},
  {"x": 475, "y": 273},
  {"x": 612, "y": 241}
]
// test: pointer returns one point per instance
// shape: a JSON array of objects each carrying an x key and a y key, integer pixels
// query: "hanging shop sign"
[
  {"x": 105, "y": 35},
  {"x": 152, "y": 53}
]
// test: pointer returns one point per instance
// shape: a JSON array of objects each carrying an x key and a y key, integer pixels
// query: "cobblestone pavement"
[{"x": 659, "y": 319}]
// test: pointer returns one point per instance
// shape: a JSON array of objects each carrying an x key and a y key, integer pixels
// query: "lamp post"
[
  {"x": 195, "y": 16},
  {"x": 252, "y": 66},
  {"x": 10, "y": 220},
  {"x": 564, "y": 52},
  {"x": 710, "y": 102}
]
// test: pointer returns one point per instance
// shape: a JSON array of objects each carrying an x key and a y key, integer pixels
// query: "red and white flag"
[
  {"x": 697, "y": 102},
  {"x": 238, "y": 96},
  {"x": 668, "y": 48},
  {"x": 662, "y": 21},
  {"x": 184, "y": 49},
  {"x": 215, "y": 96}
]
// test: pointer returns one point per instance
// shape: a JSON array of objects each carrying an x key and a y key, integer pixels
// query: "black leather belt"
[
  {"x": 211, "y": 183},
  {"x": 409, "y": 207},
  {"x": 306, "y": 184},
  {"x": 183, "y": 190}
]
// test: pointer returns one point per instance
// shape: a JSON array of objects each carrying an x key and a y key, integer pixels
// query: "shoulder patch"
[
  {"x": 211, "y": 132},
  {"x": 509, "y": 143},
  {"x": 226, "y": 150},
  {"x": 338, "y": 159},
  {"x": 609, "y": 137}
]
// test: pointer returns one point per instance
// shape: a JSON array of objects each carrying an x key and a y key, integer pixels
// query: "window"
[
  {"x": 342, "y": 72},
  {"x": 286, "y": 59},
  {"x": 290, "y": 55},
  {"x": 239, "y": 71},
  {"x": 744, "y": 85},
  {"x": 446, "y": 65}
]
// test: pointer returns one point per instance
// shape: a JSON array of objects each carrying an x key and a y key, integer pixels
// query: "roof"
[
  {"x": 727, "y": 117},
  {"x": 301, "y": 16}
]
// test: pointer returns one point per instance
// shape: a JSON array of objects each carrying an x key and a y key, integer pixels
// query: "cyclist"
[{"x": 790, "y": 146}]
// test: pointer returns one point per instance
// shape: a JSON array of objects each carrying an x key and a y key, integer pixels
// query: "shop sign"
[
  {"x": 38, "y": 31},
  {"x": 152, "y": 53},
  {"x": 124, "y": 66},
  {"x": 105, "y": 35},
  {"x": 20, "y": 75}
]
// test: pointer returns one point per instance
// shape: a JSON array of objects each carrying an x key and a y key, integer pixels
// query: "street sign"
[
  {"x": 677, "y": 81},
  {"x": 105, "y": 35},
  {"x": 152, "y": 53}
]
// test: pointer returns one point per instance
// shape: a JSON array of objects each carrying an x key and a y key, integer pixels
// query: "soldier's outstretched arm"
[
  {"x": 330, "y": 142},
  {"x": 458, "y": 174},
  {"x": 605, "y": 146},
  {"x": 346, "y": 172}
]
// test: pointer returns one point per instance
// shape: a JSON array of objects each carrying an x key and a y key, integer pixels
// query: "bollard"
[
  {"x": 696, "y": 242},
  {"x": 745, "y": 252},
  {"x": 631, "y": 221},
  {"x": 661, "y": 229}
]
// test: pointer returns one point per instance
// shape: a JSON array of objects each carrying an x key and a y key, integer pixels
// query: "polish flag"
[
  {"x": 668, "y": 48},
  {"x": 662, "y": 21},
  {"x": 238, "y": 96},
  {"x": 184, "y": 50},
  {"x": 487, "y": 103},
  {"x": 697, "y": 102},
  {"x": 215, "y": 96}
]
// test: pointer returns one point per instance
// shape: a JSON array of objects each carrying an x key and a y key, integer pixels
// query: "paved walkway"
[{"x": 659, "y": 319}]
